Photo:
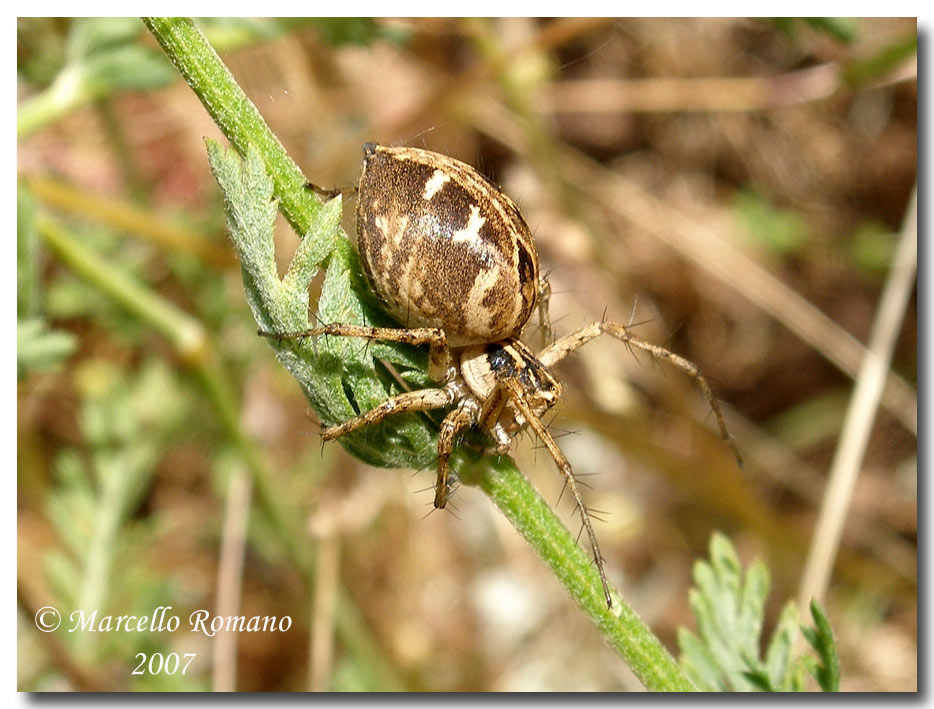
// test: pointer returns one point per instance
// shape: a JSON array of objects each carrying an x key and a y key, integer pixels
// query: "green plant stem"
[
  {"x": 184, "y": 332},
  {"x": 122, "y": 216},
  {"x": 191, "y": 344},
  {"x": 67, "y": 92},
  {"x": 537, "y": 523},
  {"x": 233, "y": 112}
]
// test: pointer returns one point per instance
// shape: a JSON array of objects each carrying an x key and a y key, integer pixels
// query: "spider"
[{"x": 449, "y": 255}]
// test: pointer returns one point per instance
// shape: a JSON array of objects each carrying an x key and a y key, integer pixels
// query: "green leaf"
[
  {"x": 872, "y": 247},
  {"x": 779, "y": 664},
  {"x": 111, "y": 58},
  {"x": 882, "y": 62},
  {"x": 101, "y": 559},
  {"x": 339, "y": 31},
  {"x": 130, "y": 67},
  {"x": 827, "y": 673},
  {"x": 229, "y": 33},
  {"x": 251, "y": 212},
  {"x": 780, "y": 230},
  {"x": 97, "y": 35},
  {"x": 843, "y": 29},
  {"x": 102, "y": 55},
  {"x": 27, "y": 256},
  {"x": 729, "y": 607},
  {"x": 340, "y": 376},
  {"x": 730, "y": 636},
  {"x": 699, "y": 663},
  {"x": 39, "y": 348}
]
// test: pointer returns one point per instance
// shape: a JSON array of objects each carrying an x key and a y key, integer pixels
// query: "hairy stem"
[{"x": 534, "y": 519}]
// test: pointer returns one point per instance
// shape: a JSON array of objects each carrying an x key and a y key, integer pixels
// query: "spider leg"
[
  {"x": 544, "y": 316},
  {"x": 535, "y": 423},
  {"x": 455, "y": 422},
  {"x": 421, "y": 400},
  {"x": 566, "y": 345},
  {"x": 439, "y": 356},
  {"x": 330, "y": 193}
]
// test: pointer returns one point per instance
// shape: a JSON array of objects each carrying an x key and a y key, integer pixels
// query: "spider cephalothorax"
[{"x": 452, "y": 260}]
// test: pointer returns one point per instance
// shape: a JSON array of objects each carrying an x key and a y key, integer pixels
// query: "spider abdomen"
[{"x": 442, "y": 247}]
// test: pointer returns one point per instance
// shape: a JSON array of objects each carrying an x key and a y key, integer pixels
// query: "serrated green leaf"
[
  {"x": 778, "y": 660},
  {"x": 752, "y": 606},
  {"x": 760, "y": 680},
  {"x": 728, "y": 606},
  {"x": 827, "y": 673},
  {"x": 251, "y": 212},
  {"x": 63, "y": 575},
  {"x": 698, "y": 663},
  {"x": 340, "y": 376},
  {"x": 314, "y": 248}
]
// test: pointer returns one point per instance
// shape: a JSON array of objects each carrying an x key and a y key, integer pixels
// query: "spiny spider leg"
[
  {"x": 544, "y": 316},
  {"x": 330, "y": 193},
  {"x": 535, "y": 423},
  {"x": 455, "y": 422},
  {"x": 420, "y": 400},
  {"x": 439, "y": 355},
  {"x": 566, "y": 345}
]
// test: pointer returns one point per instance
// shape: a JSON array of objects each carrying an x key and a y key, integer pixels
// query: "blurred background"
[{"x": 738, "y": 187}]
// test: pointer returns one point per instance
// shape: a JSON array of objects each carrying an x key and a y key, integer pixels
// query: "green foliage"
[
  {"x": 728, "y": 606},
  {"x": 27, "y": 256},
  {"x": 779, "y": 230},
  {"x": 107, "y": 55},
  {"x": 338, "y": 31},
  {"x": 40, "y": 49},
  {"x": 812, "y": 421},
  {"x": 101, "y": 56},
  {"x": 881, "y": 62},
  {"x": 39, "y": 348},
  {"x": 872, "y": 248},
  {"x": 340, "y": 376},
  {"x": 227, "y": 33},
  {"x": 820, "y": 637},
  {"x": 842, "y": 29},
  {"x": 103, "y": 559}
]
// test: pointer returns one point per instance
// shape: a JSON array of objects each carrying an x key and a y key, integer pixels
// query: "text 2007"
[{"x": 169, "y": 664}]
